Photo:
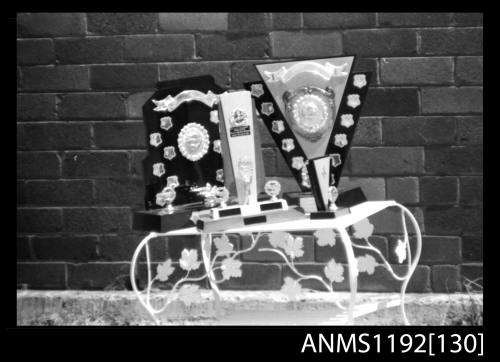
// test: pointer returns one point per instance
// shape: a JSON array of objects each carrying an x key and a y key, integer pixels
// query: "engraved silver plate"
[
  {"x": 287, "y": 144},
  {"x": 166, "y": 123},
  {"x": 278, "y": 126},
  {"x": 173, "y": 181},
  {"x": 158, "y": 169},
  {"x": 219, "y": 175},
  {"x": 340, "y": 140},
  {"x": 359, "y": 80},
  {"x": 346, "y": 120},
  {"x": 310, "y": 110},
  {"x": 214, "y": 117},
  {"x": 336, "y": 159},
  {"x": 256, "y": 90},
  {"x": 267, "y": 108},
  {"x": 193, "y": 141},
  {"x": 298, "y": 162},
  {"x": 353, "y": 100},
  {"x": 155, "y": 139},
  {"x": 170, "y": 103},
  {"x": 169, "y": 152},
  {"x": 217, "y": 146},
  {"x": 238, "y": 118}
]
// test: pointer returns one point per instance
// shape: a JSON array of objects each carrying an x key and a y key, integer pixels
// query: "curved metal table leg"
[
  {"x": 206, "y": 251},
  {"x": 353, "y": 273}
]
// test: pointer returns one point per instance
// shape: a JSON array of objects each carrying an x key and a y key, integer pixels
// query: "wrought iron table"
[{"x": 288, "y": 248}]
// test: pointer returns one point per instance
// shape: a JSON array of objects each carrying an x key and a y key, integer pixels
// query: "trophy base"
[
  {"x": 161, "y": 220},
  {"x": 206, "y": 223},
  {"x": 320, "y": 215},
  {"x": 351, "y": 198},
  {"x": 305, "y": 200}
]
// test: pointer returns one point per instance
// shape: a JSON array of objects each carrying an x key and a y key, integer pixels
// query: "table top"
[{"x": 357, "y": 213}]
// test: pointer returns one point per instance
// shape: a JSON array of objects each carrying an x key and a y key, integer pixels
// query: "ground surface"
[{"x": 245, "y": 308}]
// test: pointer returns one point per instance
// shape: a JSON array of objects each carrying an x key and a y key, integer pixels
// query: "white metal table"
[{"x": 230, "y": 265}]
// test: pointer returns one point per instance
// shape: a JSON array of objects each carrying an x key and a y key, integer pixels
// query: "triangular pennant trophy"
[{"x": 311, "y": 108}]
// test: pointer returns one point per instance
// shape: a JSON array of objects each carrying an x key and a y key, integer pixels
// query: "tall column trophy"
[
  {"x": 311, "y": 108},
  {"x": 237, "y": 133}
]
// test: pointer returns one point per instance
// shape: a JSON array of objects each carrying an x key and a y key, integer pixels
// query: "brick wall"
[{"x": 82, "y": 79}]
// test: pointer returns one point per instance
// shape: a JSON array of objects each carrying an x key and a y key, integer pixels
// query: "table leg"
[
  {"x": 353, "y": 272},
  {"x": 206, "y": 251}
]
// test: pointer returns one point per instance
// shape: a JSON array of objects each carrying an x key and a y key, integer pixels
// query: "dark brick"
[
  {"x": 55, "y": 78},
  {"x": 23, "y": 248},
  {"x": 35, "y": 51},
  {"x": 20, "y": 191},
  {"x": 36, "y": 107},
  {"x": 445, "y": 220},
  {"x": 391, "y": 102},
  {"x": 123, "y": 76},
  {"x": 382, "y": 280},
  {"x": 438, "y": 190},
  {"x": 339, "y": 20},
  {"x": 435, "y": 250},
  {"x": 404, "y": 190},
  {"x": 92, "y": 106},
  {"x": 229, "y": 46},
  {"x": 58, "y": 192},
  {"x": 416, "y": 70},
  {"x": 388, "y": 221},
  {"x": 122, "y": 23},
  {"x": 53, "y": 136},
  {"x": 418, "y": 131},
  {"x": 267, "y": 256},
  {"x": 445, "y": 279},
  {"x": 471, "y": 190},
  {"x": 454, "y": 160},
  {"x": 452, "y": 41},
  {"x": 159, "y": 48},
  {"x": 219, "y": 70},
  {"x": 95, "y": 220},
  {"x": 472, "y": 247},
  {"x": 135, "y": 102},
  {"x": 470, "y": 130},
  {"x": 311, "y": 44},
  {"x": 381, "y": 42},
  {"x": 89, "y": 50},
  {"x": 38, "y": 220},
  {"x": 65, "y": 248},
  {"x": 122, "y": 247},
  {"x": 469, "y": 70},
  {"x": 38, "y": 165},
  {"x": 282, "y": 168},
  {"x": 249, "y": 22},
  {"x": 452, "y": 100},
  {"x": 136, "y": 162},
  {"x": 367, "y": 65},
  {"x": 255, "y": 276},
  {"x": 462, "y": 19},
  {"x": 120, "y": 191},
  {"x": 95, "y": 275},
  {"x": 269, "y": 157},
  {"x": 317, "y": 270},
  {"x": 119, "y": 135},
  {"x": 414, "y": 19},
  {"x": 42, "y": 275},
  {"x": 387, "y": 161},
  {"x": 182, "y": 22},
  {"x": 286, "y": 20},
  {"x": 368, "y": 132},
  {"x": 472, "y": 272},
  {"x": 373, "y": 187},
  {"x": 242, "y": 72},
  {"x": 325, "y": 253},
  {"x": 95, "y": 164},
  {"x": 51, "y": 24}
]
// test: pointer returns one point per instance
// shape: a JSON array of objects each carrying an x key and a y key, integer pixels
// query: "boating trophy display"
[
  {"x": 184, "y": 152},
  {"x": 311, "y": 109},
  {"x": 238, "y": 129}
]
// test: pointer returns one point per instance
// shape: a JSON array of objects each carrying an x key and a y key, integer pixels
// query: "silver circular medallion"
[{"x": 193, "y": 141}]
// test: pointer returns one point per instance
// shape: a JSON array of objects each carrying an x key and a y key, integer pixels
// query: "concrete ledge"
[{"x": 244, "y": 308}]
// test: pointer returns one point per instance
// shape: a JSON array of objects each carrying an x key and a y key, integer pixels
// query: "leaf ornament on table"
[
  {"x": 223, "y": 245},
  {"x": 164, "y": 270},
  {"x": 291, "y": 288},
  {"x": 189, "y": 294},
  {"x": 189, "y": 259},
  {"x": 231, "y": 268},
  {"x": 363, "y": 229},
  {"x": 400, "y": 251},
  {"x": 334, "y": 271},
  {"x": 325, "y": 237},
  {"x": 294, "y": 247},
  {"x": 278, "y": 238},
  {"x": 366, "y": 263}
]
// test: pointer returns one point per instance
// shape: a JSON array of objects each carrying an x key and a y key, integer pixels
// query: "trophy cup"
[
  {"x": 184, "y": 151},
  {"x": 311, "y": 109}
]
